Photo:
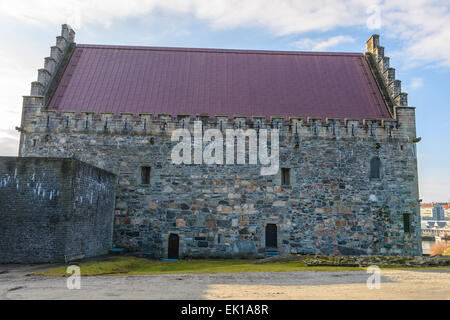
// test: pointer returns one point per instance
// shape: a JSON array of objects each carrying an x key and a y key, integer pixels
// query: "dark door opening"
[
  {"x": 174, "y": 243},
  {"x": 271, "y": 236}
]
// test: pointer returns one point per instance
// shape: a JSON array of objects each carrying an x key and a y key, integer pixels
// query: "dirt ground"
[{"x": 15, "y": 283}]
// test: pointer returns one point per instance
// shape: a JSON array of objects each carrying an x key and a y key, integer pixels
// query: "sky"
[{"x": 415, "y": 34}]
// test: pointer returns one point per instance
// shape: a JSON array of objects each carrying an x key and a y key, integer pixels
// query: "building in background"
[
  {"x": 446, "y": 208},
  {"x": 435, "y": 224},
  {"x": 426, "y": 211},
  {"x": 435, "y": 211}
]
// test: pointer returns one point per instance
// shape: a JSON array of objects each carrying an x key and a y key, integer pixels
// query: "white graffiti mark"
[{"x": 34, "y": 185}]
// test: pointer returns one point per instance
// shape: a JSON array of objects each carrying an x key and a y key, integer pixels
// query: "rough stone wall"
[
  {"x": 332, "y": 206},
  {"x": 53, "y": 208}
]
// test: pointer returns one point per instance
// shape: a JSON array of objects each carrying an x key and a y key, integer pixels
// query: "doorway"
[
  {"x": 271, "y": 236},
  {"x": 174, "y": 244}
]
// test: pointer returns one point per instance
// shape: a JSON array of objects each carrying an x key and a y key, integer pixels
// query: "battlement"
[{"x": 124, "y": 123}]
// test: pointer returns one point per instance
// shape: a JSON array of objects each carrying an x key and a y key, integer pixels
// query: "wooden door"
[
  {"x": 174, "y": 243},
  {"x": 271, "y": 236}
]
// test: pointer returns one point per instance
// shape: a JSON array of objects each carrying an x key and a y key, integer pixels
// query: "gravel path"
[{"x": 395, "y": 284}]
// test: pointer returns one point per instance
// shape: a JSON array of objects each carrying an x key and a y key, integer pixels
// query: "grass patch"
[{"x": 127, "y": 265}]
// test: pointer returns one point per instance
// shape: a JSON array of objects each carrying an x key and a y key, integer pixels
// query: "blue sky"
[{"x": 415, "y": 35}]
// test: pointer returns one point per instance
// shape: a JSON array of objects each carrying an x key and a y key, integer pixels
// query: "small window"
[
  {"x": 406, "y": 223},
  {"x": 285, "y": 176},
  {"x": 145, "y": 175},
  {"x": 375, "y": 168}
]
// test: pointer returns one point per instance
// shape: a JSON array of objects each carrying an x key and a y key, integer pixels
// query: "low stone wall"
[
  {"x": 363, "y": 261},
  {"x": 53, "y": 209}
]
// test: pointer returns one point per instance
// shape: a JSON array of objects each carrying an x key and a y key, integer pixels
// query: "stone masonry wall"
[
  {"x": 53, "y": 208},
  {"x": 331, "y": 207}
]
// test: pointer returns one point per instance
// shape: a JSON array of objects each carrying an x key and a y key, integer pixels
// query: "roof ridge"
[{"x": 220, "y": 50}]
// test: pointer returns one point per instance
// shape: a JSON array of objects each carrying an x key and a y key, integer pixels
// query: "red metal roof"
[{"x": 216, "y": 81}]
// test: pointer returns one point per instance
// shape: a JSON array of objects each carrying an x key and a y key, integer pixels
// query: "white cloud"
[
  {"x": 434, "y": 190},
  {"x": 321, "y": 45},
  {"x": 19, "y": 69},
  {"x": 10, "y": 146},
  {"x": 416, "y": 83},
  {"x": 424, "y": 25},
  {"x": 282, "y": 17}
]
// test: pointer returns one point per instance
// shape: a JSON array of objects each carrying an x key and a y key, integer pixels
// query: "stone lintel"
[
  {"x": 370, "y": 120},
  {"x": 221, "y": 117},
  {"x": 334, "y": 120},
  {"x": 313, "y": 119},
  {"x": 164, "y": 116},
  {"x": 276, "y": 118},
  {"x": 385, "y": 122}
]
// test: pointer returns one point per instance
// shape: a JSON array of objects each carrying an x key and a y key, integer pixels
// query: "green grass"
[
  {"x": 138, "y": 266},
  {"x": 126, "y": 265}
]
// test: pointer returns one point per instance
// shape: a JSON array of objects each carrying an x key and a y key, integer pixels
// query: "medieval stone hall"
[{"x": 347, "y": 178}]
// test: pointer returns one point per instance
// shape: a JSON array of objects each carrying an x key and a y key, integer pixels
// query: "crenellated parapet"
[{"x": 88, "y": 122}]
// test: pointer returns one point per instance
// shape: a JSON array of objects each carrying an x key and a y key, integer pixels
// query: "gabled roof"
[{"x": 214, "y": 81}]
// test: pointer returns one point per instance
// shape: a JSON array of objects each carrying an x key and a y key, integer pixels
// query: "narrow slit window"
[
  {"x": 145, "y": 175},
  {"x": 285, "y": 176},
  {"x": 375, "y": 168},
  {"x": 406, "y": 223}
]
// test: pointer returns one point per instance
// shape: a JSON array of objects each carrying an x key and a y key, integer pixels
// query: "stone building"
[{"x": 347, "y": 182}]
